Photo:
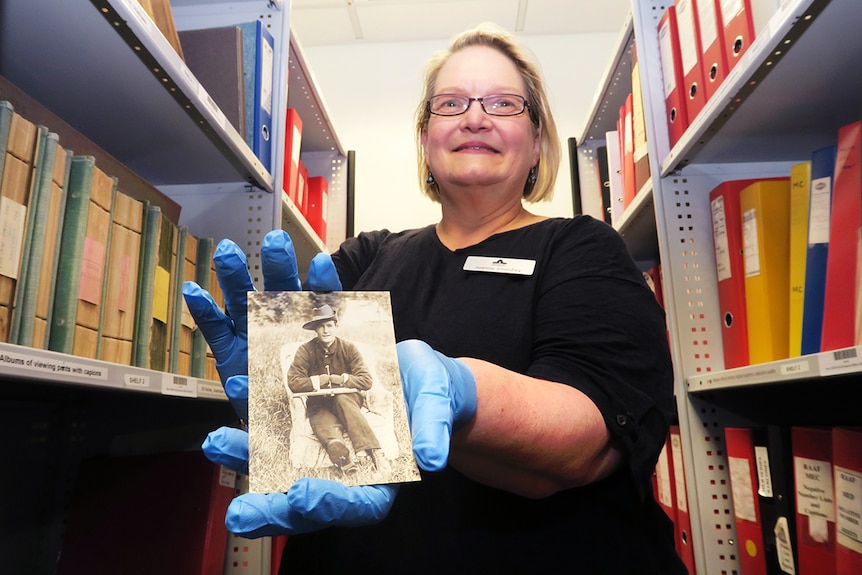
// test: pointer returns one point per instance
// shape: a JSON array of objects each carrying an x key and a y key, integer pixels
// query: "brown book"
[
  {"x": 122, "y": 280},
  {"x": 93, "y": 269},
  {"x": 18, "y": 145},
  {"x": 78, "y": 293},
  {"x": 51, "y": 247},
  {"x": 217, "y": 295},
  {"x": 161, "y": 13},
  {"x": 215, "y": 56},
  {"x": 185, "y": 324}
]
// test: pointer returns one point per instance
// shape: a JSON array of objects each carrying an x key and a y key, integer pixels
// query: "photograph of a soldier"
[{"x": 325, "y": 395}]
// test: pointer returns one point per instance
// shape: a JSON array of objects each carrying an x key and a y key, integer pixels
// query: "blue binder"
[
  {"x": 263, "y": 85},
  {"x": 819, "y": 216}
]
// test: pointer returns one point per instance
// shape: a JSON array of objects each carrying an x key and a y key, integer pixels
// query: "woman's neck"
[{"x": 463, "y": 227}]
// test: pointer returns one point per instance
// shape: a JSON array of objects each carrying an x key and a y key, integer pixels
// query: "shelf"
[
  {"x": 754, "y": 117},
  {"x": 303, "y": 95},
  {"x": 24, "y": 363},
  {"x": 820, "y": 365},
  {"x": 116, "y": 79},
  {"x": 637, "y": 226},
  {"x": 611, "y": 94}
]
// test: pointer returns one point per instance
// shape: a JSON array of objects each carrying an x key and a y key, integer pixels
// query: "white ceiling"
[{"x": 327, "y": 22}]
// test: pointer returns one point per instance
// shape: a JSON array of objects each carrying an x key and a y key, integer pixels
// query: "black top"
[{"x": 584, "y": 317}]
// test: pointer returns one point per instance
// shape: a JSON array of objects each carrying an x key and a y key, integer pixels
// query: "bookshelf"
[
  {"x": 106, "y": 70},
  {"x": 787, "y": 96}
]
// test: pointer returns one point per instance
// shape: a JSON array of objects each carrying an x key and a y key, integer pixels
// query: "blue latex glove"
[
  {"x": 441, "y": 397},
  {"x": 310, "y": 504}
]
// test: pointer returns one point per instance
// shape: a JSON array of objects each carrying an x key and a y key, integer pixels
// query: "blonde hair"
[{"x": 492, "y": 36}]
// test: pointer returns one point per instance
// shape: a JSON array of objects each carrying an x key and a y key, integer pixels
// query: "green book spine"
[
  {"x": 161, "y": 319},
  {"x": 65, "y": 309},
  {"x": 6, "y": 112},
  {"x": 176, "y": 325},
  {"x": 27, "y": 294},
  {"x": 146, "y": 285},
  {"x": 202, "y": 278},
  {"x": 104, "y": 291},
  {"x": 55, "y": 254}
]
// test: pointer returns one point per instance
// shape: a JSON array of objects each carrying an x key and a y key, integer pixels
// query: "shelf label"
[
  {"x": 210, "y": 389},
  {"x": 136, "y": 381},
  {"x": 179, "y": 385},
  {"x": 62, "y": 368},
  {"x": 797, "y": 367}
]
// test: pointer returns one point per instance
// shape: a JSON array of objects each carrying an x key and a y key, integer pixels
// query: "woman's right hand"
[{"x": 310, "y": 504}]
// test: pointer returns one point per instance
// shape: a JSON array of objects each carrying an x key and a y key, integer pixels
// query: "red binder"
[
  {"x": 148, "y": 514},
  {"x": 730, "y": 270},
  {"x": 690, "y": 55},
  {"x": 739, "y": 447},
  {"x": 673, "y": 79},
  {"x": 737, "y": 19},
  {"x": 815, "y": 500},
  {"x": 292, "y": 146},
  {"x": 712, "y": 53},
  {"x": 847, "y": 456},
  {"x": 685, "y": 546},
  {"x": 840, "y": 298},
  {"x": 629, "y": 186},
  {"x": 665, "y": 485},
  {"x": 318, "y": 189}
]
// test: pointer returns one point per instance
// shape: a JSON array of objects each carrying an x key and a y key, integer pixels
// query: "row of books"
[
  {"x": 787, "y": 254},
  {"x": 700, "y": 42},
  {"x": 623, "y": 162},
  {"x": 797, "y": 499},
  {"x": 88, "y": 270}
]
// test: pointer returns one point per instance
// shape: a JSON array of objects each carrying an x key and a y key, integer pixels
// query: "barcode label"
[
  {"x": 173, "y": 384},
  {"x": 843, "y": 354},
  {"x": 841, "y": 361}
]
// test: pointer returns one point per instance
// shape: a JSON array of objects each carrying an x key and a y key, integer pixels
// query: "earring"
[
  {"x": 532, "y": 177},
  {"x": 430, "y": 179}
]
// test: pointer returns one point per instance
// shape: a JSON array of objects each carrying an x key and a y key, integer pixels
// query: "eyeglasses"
[{"x": 494, "y": 105}]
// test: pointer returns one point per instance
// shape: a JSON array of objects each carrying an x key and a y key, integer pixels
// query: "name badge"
[{"x": 511, "y": 266}]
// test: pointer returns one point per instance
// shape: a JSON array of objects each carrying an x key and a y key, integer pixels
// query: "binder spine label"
[
  {"x": 750, "y": 247},
  {"x": 819, "y": 212},
  {"x": 719, "y": 232},
  {"x": 848, "y": 499},
  {"x": 814, "y": 495}
]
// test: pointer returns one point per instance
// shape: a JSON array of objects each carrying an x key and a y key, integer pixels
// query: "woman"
[{"x": 538, "y": 442}]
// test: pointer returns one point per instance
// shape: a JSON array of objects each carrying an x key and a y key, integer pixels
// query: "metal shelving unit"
[
  {"x": 105, "y": 69},
  {"x": 787, "y": 96}
]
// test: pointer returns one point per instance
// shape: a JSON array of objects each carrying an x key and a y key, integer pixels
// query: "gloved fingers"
[
  {"x": 432, "y": 431},
  {"x": 216, "y": 327},
  {"x": 426, "y": 391},
  {"x": 324, "y": 502},
  {"x": 228, "y": 446},
  {"x": 235, "y": 281},
  {"x": 236, "y": 389},
  {"x": 322, "y": 275},
  {"x": 278, "y": 263},
  {"x": 309, "y": 505}
]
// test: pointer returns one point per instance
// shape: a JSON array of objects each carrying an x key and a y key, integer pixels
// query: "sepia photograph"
[{"x": 325, "y": 397}]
